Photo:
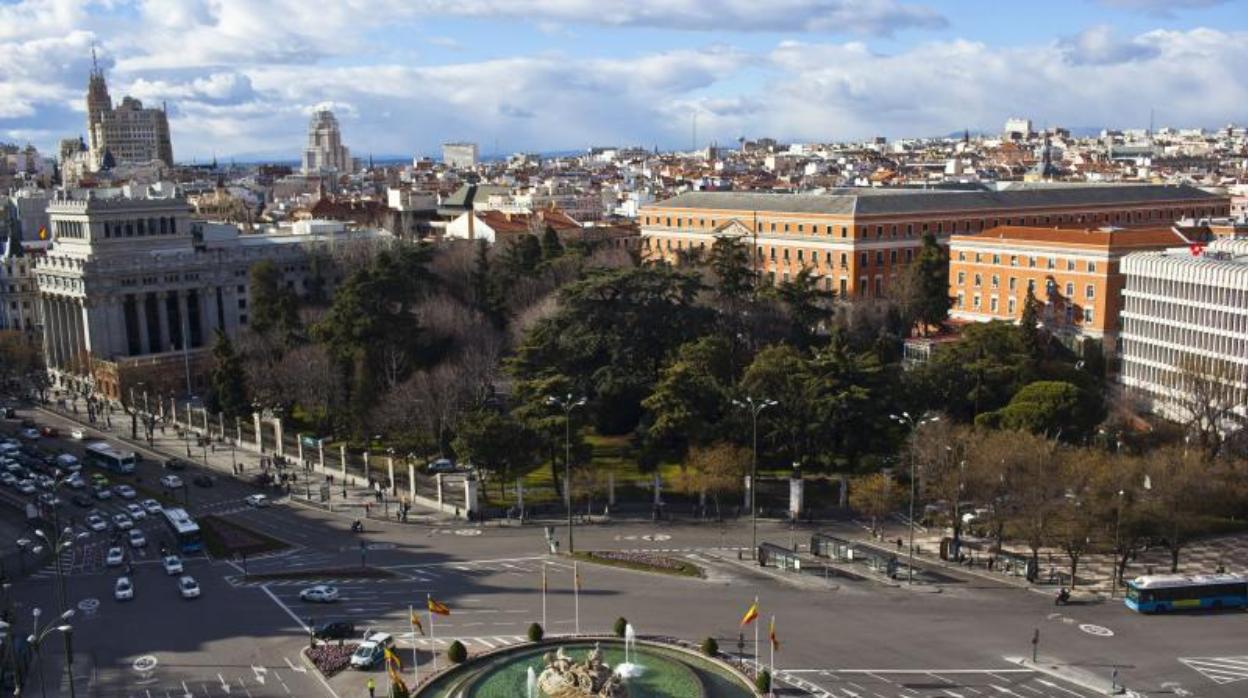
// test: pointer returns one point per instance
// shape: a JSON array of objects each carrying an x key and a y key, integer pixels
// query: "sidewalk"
[{"x": 242, "y": 461}]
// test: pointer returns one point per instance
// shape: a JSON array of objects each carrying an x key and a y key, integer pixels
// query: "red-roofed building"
[
  {"x": 1074, "y": 274},
  {"x": 496, "y": 226}
]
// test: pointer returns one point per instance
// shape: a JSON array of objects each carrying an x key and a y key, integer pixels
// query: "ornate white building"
[
  {"x": 133, "y": 290},
  {"x": 325, "y": 151},
  {"x": 127, "y": 134}
]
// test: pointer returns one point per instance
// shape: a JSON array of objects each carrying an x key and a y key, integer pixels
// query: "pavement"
[{"x": 841, "y": 633}]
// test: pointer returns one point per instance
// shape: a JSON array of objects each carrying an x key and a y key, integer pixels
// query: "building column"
[
  {"x": 208, "y": 314},
  {"x": 120, "y": 345},
  {"x": 140, "y": 313},
  {"x": 163, "y": 337},
  {"x": 62, "y": 338},
  {"x": 184, "y": 321},
  {"x": 49, "y": 353}
]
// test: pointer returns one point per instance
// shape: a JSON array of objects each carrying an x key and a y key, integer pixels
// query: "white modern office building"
[
  {"x": 460, "y": 156},
  {"x": 1185, "y": 308}
]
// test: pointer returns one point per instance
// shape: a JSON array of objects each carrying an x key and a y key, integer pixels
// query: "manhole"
[{"x": 145, "y": 663}]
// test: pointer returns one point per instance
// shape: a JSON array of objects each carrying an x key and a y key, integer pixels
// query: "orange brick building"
[
  {"x": 1074, "y": 274},
  {"x": 855, "y": 240}
]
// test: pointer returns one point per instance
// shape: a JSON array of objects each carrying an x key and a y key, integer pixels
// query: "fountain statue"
[{"x": 564, "y": 678}]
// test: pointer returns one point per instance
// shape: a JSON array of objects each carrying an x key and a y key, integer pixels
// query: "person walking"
[{"x": 372, "y": 688}]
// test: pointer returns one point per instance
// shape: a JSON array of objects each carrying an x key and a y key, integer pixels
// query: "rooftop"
[{"x": 1103, "y": 238}]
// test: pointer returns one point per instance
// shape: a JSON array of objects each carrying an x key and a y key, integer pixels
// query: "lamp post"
[
  {"x": 38, "y": 635},
  {"x": 1115, "y": 574},
  {"x": 914, "y": 424},
  {"x": 754, "y": 407},
  {"x": 59, "y": 543},
  {"x": 567, "y": 404}
]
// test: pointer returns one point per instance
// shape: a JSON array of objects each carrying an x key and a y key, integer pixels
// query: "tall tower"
[{"x": 98, "y": 103}]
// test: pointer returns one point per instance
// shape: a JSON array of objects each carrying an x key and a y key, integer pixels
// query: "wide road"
[{"x": 843, "y": 638}]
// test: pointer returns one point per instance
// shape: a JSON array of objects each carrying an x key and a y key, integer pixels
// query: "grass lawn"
[{"x": 225, "y": 539}]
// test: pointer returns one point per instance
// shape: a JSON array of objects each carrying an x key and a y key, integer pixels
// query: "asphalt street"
[{"x": 841, "y": 637}]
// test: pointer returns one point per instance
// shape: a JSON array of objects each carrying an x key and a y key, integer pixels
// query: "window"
[
  {"x": 996, "y": 259},
  {"x": 799, "y": 255},
  {"x": 1012, "y": 305},
  {"x": 1091, "y": 267},
  {"x": 961, "y": 278},
  {"x": 1070, "y": 290},
  {"x": 961, "y": 300},
  {"x": 1070, "y": 265},
  {"x": 992, "y": 305},
  {"x": 1090, "y": 291},
  {"x": 909, "y": 254},
  {"x": 996, "y": 281},
  {"x": 864, "y": 259},
  {"x": 1087, "y": 315},
  {"x": 1013, "y": 283},
  {"x": 879, "y": 257},
  {"x": 844, "y": 259},
  {"x": 979, "y": 280},
  {"x": 976, "y": 302}
]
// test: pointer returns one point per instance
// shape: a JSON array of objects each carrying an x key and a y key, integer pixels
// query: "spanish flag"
[
  {"x": 771, "y": 634},
  {"x": 438, "y": 607},
  {"x": 43, "y": 232},
  {"x": 392, "y": 659},
  {"x": 416, "y": 622},
  {"x": 750, "y": 614}
]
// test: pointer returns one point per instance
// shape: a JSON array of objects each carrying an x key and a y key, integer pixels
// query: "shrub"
[
  {"x": 763, "y": 681},
  {"x": 710, "y": 647},
  {"x": 331, "y": 659},
  {"x": 536, "y": 633},
  {"x": 397, "y": 691},
  {"x": 457, "y": 653},
  {"x": 621, "y": 624}
]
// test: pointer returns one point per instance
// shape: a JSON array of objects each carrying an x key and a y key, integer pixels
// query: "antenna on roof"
[{"x": 95, "y": 66}]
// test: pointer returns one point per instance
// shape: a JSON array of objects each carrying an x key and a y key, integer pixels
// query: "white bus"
[
  {"x": 185, "y": 530},
  {"x": 105, "y": 456}
]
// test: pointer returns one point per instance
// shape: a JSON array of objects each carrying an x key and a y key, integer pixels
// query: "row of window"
[
  {"x": 1226, "y": 319},
  {"x": 1189, "y": 291},
  {"x": 1089, "y": 290},
  {"x": 141, "y": 227},
  {"x": 1013, "y": 306},
  {"x": 1151, "y": 340},
  {"x": 787, "y": 254},
  {"x": 1032, "y": 262}
]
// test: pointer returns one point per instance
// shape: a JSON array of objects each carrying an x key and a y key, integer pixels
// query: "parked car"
[
  {"x": 204, "y": 480},
  {"x": 334, "y": 630},
  {"x": 96, "y": 523},
  {"x": 124, "y": 590},
  {"x": 115, "y": 557},
  {"x": 49, "y": 500},
  {"x": 257, "y": 500},
  {"x": 321, "y": 593},
  {"x": 175, "y": 464},
  {"x": 172, "y": 482},
  {"x": 151, "y": 506},
  {"x": 136, "y": 512},
  {"x": 30, "y": 434},
  {"x": 137, "y": 539},
  {"x": 125, "y": 491},
  {"x": 81, "y": 500},
  {"x": 371, "y": 650},
  {"x": 99, "y": 480},
  {"x": 441, "y": 465},
  {"x": 101, "y": 493},
  {"x": 189, "y": 587},
  {"x": 75, "y": 481},
  {"x": 26, "y": 486},
  {"x": 122, "y": 522},
  {"x": 173, "y": 565}
]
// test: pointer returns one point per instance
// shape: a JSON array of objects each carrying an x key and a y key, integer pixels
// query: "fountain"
[
  {"x": 629, "y": 669},
  {"x": 531, "y": 683}
]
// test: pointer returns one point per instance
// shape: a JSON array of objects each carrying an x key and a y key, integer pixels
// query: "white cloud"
[
  {"x": 1161, "y": 7},
  {"x": 1100, "y": 46}
]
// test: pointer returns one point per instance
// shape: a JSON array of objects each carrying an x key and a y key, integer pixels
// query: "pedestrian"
[
  {"x": 991, "y": 561},
  {"x": 898, "y": 544},
  {"x": 372, "y": 687}
]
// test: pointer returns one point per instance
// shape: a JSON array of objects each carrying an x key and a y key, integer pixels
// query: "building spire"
[{"x": 95, "y": 64}]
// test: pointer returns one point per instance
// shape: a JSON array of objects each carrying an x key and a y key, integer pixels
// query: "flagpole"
[
  {"x": 757, "y": 666},
  {"x": 433, "y": 642},
  {"x": 545, "y": 627},
  {"x": 415, "y": 657},
  {"x": 576, "y": 595},
  {"x": 772, "y": 634}
]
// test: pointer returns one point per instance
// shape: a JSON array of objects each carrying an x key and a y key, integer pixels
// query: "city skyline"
[{"x": 241, "y": 80}]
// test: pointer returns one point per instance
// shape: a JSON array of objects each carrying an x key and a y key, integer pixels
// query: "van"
[{"x": 371, "y": 650}]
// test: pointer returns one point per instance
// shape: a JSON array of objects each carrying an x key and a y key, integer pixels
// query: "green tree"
[
  {"x": 733, "y": 280},
  {"x": 552, "y": 248},
  {"x": 484, "y": 283},
  {"x": 274, "y": 306},
  {"x": 1033, "y": 336},
  {"x": 228, "y": 387},
  {"x": 978, "y": 373},
  {"x": 496, "y": 443},
  {"x": 1055, "y": 408},
  {"x": 875, "y": 497},
  {"x": 930, "y": 285},
  {"x": 807, "y": 305},
  {"x": 692, "y": 396},
  {"x": 717, "y": 470},
  {"x": 521, "y": 256}
]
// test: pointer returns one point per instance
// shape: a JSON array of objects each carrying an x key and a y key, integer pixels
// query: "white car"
[
  {"x": 151, "y": 506},
  {"x": 173, "y": 565},
  {"x": 124, "y": 591},
  {"x": 26, "y": 486},
  {"x": 257, "y": 500},
  {"x": 125, "y": 491},
  {"x": 172, "y": 482},
  {"x": 77, "y": 434},
  {"x": 122, "y": 522},
  {"x": 30, "y": 434},
  {"x": 320, "y": 593},
  {"x": 136, "y": 512},
  {"x": 115, "y": 557},
  {"x": 189, "y": 587},
  {"x": 95, "y": 523},
  {"x": 137, "y": 539},
  {"x": 76, "y": 481},
  {"x": 371, "y": 650}
]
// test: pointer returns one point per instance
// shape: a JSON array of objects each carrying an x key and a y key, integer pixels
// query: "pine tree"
[
  {"x": 551, "y": 247},
  {"x": 931, "y": 286},
  {"x": 1029, "y": 325},
  {"x": 485, "y": 293},
  {"x": 229, "y": 390}
]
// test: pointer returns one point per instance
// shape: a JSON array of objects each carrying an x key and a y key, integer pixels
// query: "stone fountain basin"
[{"x": 669, "y": 672}]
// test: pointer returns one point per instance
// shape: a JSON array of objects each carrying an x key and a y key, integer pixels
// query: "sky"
[{"x": 241, "y": 77}]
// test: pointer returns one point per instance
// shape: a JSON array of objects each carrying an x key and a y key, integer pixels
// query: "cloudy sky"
[{"x": 241, "y": 76}]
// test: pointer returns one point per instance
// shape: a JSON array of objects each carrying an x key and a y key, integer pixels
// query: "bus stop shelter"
[
  {"x": 776, "y": 556},
  {"x": 843, "y": 550}
]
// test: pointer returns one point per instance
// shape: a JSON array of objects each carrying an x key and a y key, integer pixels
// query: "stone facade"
[
  {"x": 325, "y": 151},
  {"x": 128, "y": 134}
]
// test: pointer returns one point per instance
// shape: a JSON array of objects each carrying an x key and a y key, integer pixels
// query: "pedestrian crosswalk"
[{"x": 1220, "y": 670}]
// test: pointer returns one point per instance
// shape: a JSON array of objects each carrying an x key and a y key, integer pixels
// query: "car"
[
  {"x": 441, "y": 465},
  {"x": 50, "y": 432},
  {"x": 175, "y": 464},
  {"x": 334, "y": 630},
  {"x": 151, "y": 506},
  {"x": 171, "y": 482},
  {"x": 371, "y": 650},
  {"x": 124, "y": 590},
  {"x": 8, "y": 479},
  {"x": 75, "y": 481},
  {"x": 173, "y": 564},
  {"x": 125, "y": 491},
  {"x": 49, "y": 499},
  {"x": 101, "y": 493},
  {"x": 137, "y": 539},
  {"x": 26, "y": 486},
  {"x": 81, "y": 500},
  {"x": 204, "y": 481},
  {"x": 115, "y": 557},
  {"x": 321, "y": 593},
  {"x": 30, "y": 434},
  {"x": 122, "y": 522},
  {"x": 136, "y": 512},
  {"x": 77, "y": 434},
  {"x": 257, "y": 500},
  {"x": 262, "y": 479},
  {"x": 45, "y": 481},
  {"x": 67, "y": 462},
  {"x": 99, "y": 480},
  {"x": 189, "y": 587},
  {"x": 96, "y": 523}
]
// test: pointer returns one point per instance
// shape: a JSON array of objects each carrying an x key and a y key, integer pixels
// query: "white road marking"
[
  {"x": 1050, "y": 684},
  {"x": 286, "y": 608},
  {"x": 299, "y": 669},
  {"x": 1220, "y": 670}
]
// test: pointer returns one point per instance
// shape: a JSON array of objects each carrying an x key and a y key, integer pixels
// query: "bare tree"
[
  {"x": 875, "y": 496},
  {"x": 716, "y": 470},
  {"x": 1208, "y": 393}
]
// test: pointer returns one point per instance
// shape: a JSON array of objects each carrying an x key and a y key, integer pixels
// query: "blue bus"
[
  {"x": 105, "y": 456},
  {"x": 1169, "y": 592},
  {"x": 185, "y": 531}
]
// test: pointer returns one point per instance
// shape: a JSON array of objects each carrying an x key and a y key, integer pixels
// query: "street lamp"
[
  {"x": 754, "y": 407},
  {"x": 567, "y": 404},
  {"x": 914, "y": 424},
  {"x": 37, "y": 637},
  {"x": 1115, "y": 573},
  {"x": 59, "y": 543}
]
